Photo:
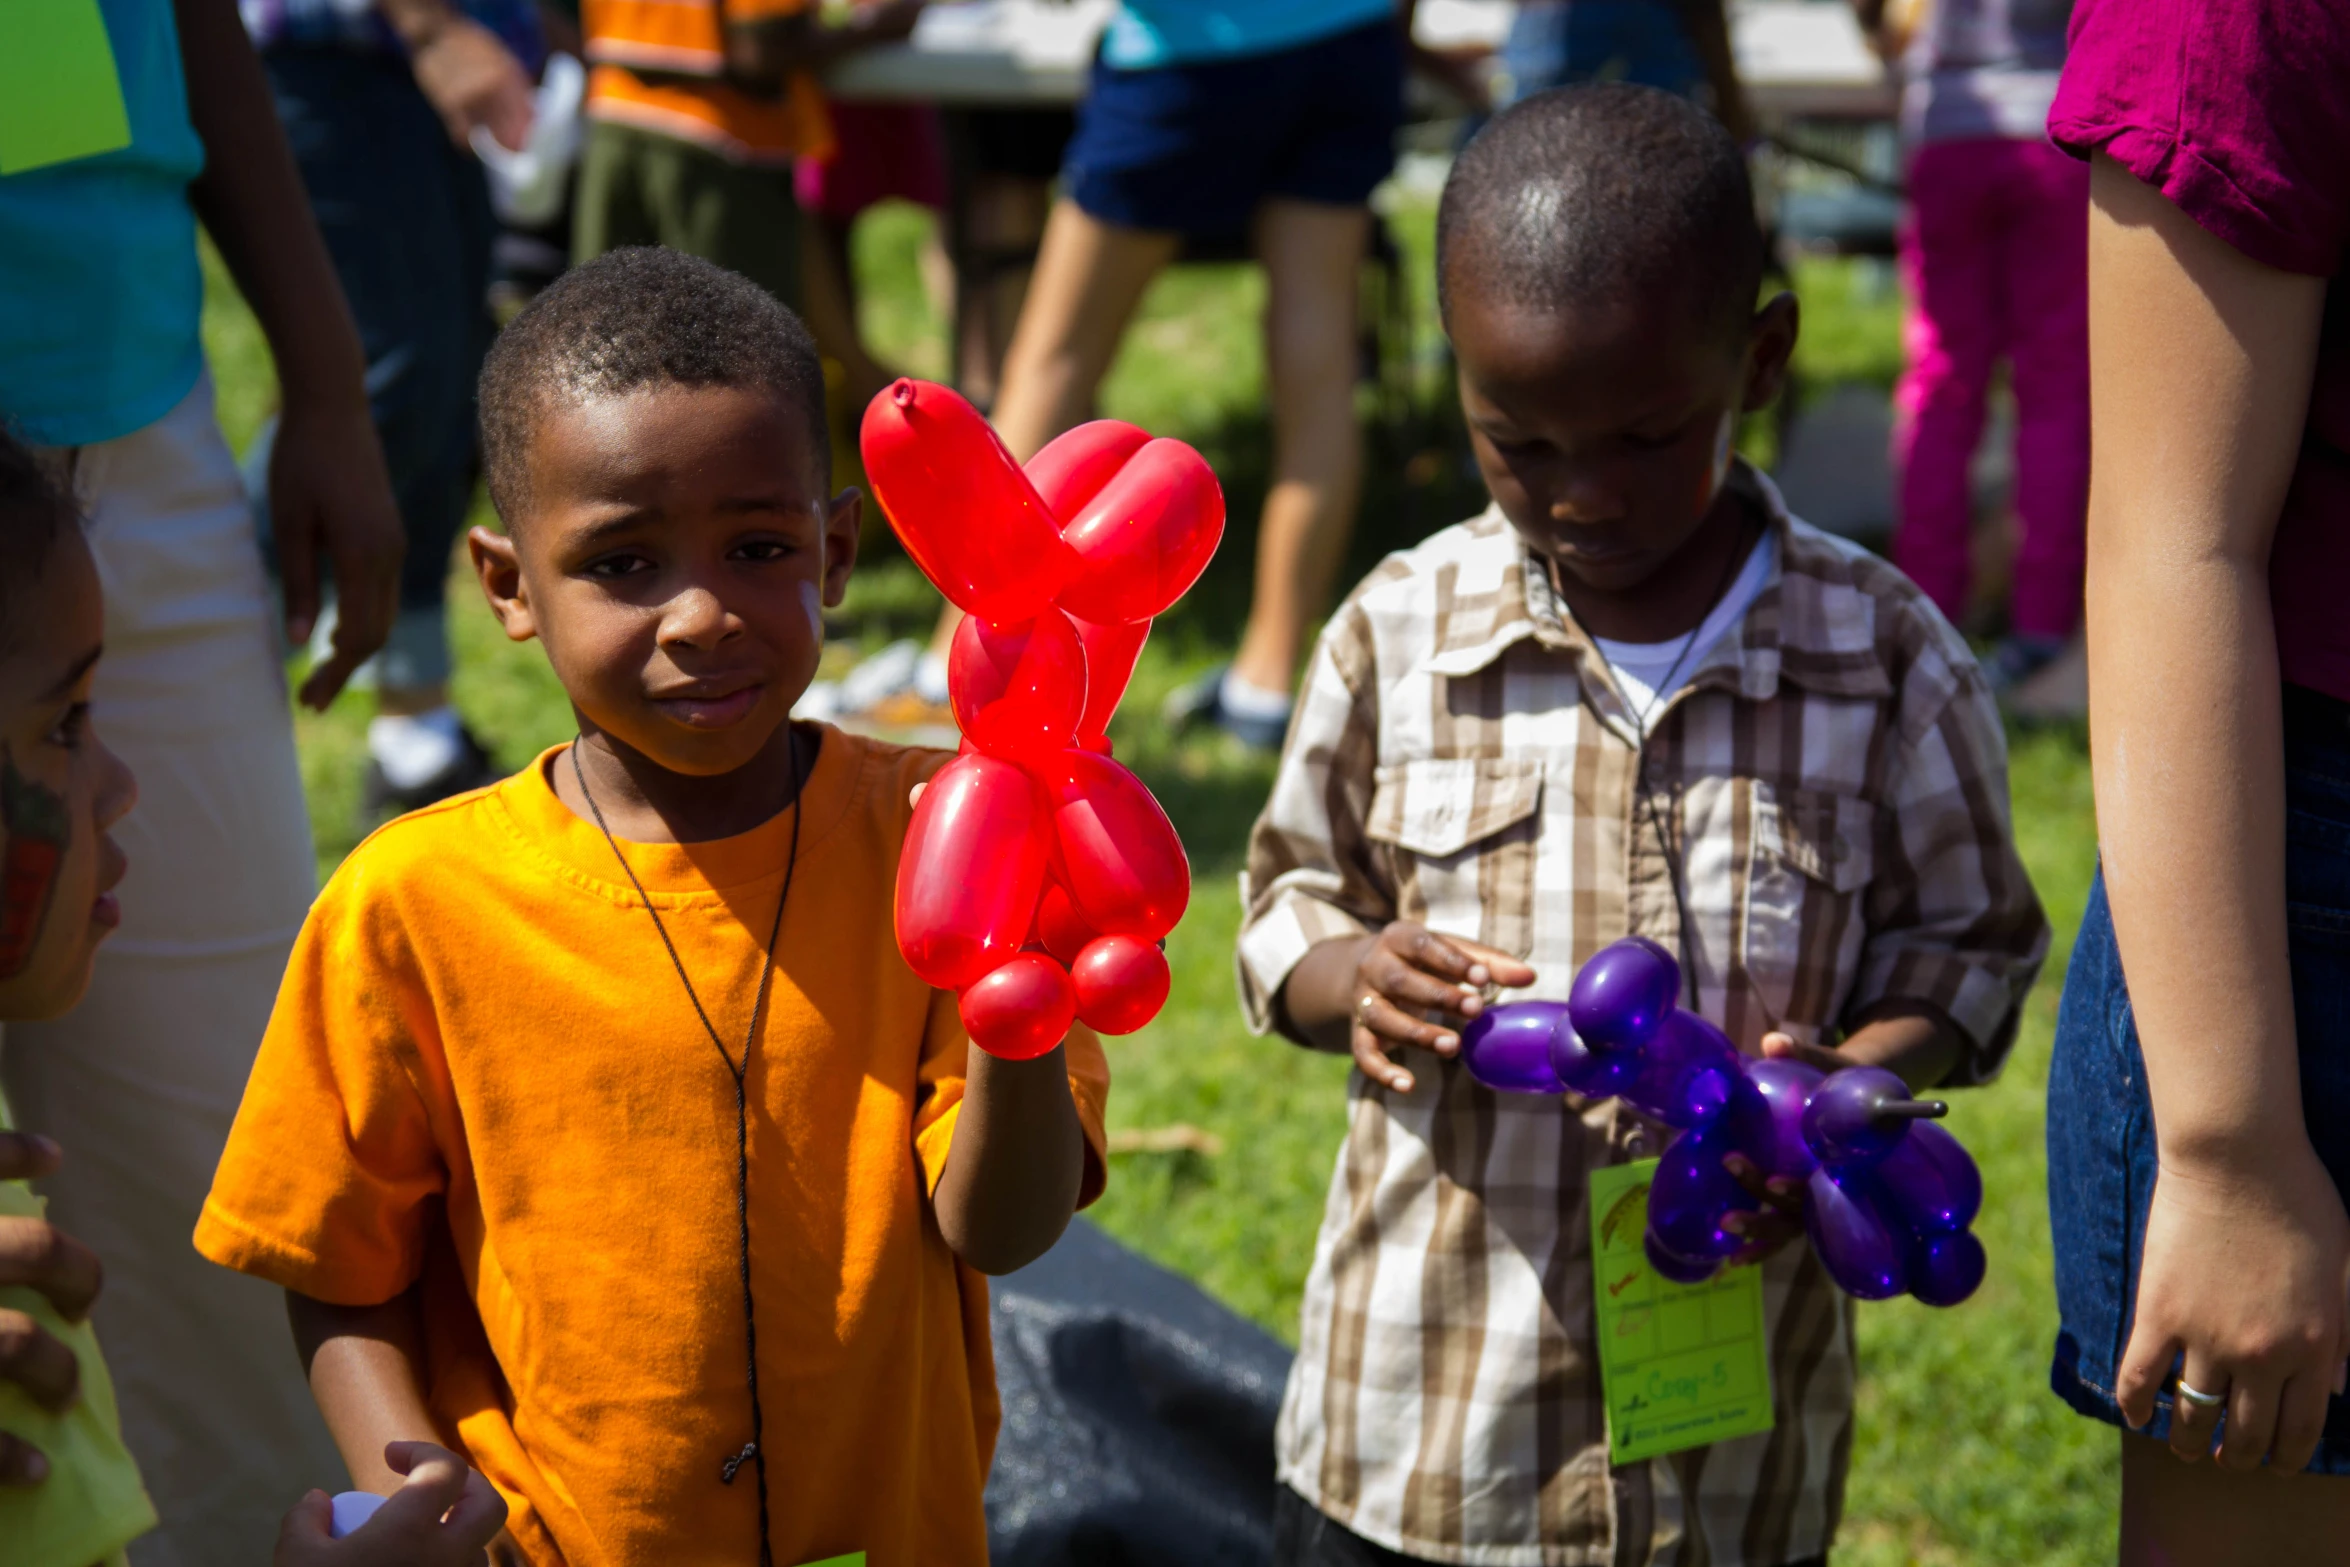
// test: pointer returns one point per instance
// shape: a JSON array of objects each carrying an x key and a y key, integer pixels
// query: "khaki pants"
[
  {"x": 140, "y": 1082},
  {"x": 638, "y": 187}
]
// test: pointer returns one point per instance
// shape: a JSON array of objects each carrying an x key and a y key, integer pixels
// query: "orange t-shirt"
[
  {"x": 681, "y": 44},
  {"x": 483, "y": 1074}
]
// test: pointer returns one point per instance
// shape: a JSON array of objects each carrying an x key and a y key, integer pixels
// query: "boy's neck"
[
  {"x": 1676, "y": 599},
  {"x": 644, "y": 802}
]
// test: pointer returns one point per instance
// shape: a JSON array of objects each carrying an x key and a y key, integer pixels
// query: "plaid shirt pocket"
[
  {"x": 1813, "y": 853},
  {"x": 1459, "y": 833}
]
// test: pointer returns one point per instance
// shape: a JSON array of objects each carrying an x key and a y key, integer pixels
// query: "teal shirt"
[
  {"x": 101, "y": 294},
  {"x": 1146, "y": 34}
]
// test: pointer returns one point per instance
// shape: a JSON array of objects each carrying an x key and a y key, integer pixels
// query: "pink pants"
[{"x": 1995, "y": 256}]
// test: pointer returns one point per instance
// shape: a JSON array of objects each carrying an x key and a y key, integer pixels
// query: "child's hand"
[
  {"x": 35, "y": 1253},
  {"x": 443, "y": 1517},
  {"x": 1907, "y": 1040},
  {"x": 1408, "y": 969}
]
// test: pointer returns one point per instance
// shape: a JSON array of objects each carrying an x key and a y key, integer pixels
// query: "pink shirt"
[{"x": 2239, "y": 113}]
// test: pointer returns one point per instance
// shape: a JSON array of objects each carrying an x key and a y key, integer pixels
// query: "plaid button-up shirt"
[{"x": 1829, "y": 788}]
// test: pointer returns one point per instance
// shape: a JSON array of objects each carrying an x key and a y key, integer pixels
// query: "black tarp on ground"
[{"x": 1138, "y": 1416}]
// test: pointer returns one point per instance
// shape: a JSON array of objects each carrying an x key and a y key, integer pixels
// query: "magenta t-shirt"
[{"x": 2239, "y": 112}]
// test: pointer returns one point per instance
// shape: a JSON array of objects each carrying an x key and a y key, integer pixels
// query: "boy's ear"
[
  {"x": 844, "y": 516},
  {"x": 500, "y": 570},
  {"x": 1770, "y": 346}
]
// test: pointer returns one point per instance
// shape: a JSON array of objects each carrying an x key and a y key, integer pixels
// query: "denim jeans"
[
  {"x": 2101, "y": 1151},
  {"x": 407, "y": 220}
]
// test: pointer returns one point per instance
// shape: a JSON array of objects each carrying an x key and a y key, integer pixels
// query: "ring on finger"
[
  {"x": 1363, "y": 1007},
  {"x": 2197, "y": 1397}
]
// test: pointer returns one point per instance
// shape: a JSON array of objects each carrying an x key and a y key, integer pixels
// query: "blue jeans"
[
  {"x": 1554, "y": 42},
  {"x": 2101, "y": 1154},
  {"x": 407, "y": 220}
]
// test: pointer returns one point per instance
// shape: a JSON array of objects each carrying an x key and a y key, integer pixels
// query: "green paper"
[
  {"x": 60, "y": 94},
  {"x": 92, "y": 1504},
  {"x": 1680, "y": 1365},
  {"x": 853, "y": 1559}
]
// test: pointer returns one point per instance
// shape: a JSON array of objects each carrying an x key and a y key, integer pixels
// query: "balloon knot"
[{"x": 902, "y": 392}]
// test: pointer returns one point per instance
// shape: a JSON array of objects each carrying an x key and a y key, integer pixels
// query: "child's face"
[
  {"x": 1605, "y": 434},
  {"x": 60, "y": 789},
  {"x": 675, "y": 558}
]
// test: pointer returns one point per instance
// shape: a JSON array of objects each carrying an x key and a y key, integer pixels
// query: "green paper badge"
[
  {"x": 60, "y": 93},
  {"x": 1680, "y": 1365}
]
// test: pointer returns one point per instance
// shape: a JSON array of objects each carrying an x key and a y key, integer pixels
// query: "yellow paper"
[{"x": 1681, "y": 1365}]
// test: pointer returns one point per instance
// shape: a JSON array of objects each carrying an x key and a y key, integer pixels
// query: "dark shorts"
[
  {"x": 2100, "y": 1125},
  {"x": 1192, "y": 149}
]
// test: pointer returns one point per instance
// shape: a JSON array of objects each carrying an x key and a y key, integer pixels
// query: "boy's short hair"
[
  {"x": 636, "y": 317},
  {"x": 35, "y": 511},
  {"x": 1602, "y": 195}
]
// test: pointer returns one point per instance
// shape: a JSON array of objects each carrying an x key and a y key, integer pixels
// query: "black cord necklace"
[
  {"x": 1661, "y": 695},
  {"x": 754, "y": 1451}
]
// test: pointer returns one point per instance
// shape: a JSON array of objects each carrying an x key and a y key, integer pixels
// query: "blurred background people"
[
  {"x": 1682, "y": 46},
  {"x": 102, "y": 366},
  {"x": 1269, "y": 122},
  {"x": 380, "y": 102},
  {"x": 697, "y": 111},
  {"x": 1994, "y": 253}
]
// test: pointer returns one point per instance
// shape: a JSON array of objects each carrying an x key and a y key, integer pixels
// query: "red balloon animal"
[{"x": 1039, "y": 876}]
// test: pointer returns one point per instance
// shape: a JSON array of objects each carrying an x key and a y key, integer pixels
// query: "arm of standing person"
[
  {"x": 1708, "y": 22},
  {"x": 329, "y": 491},
  {"x": 2200, "y": 369},
  {"x": 762, "y": 54},
  {"x": 464, "y": 70}
]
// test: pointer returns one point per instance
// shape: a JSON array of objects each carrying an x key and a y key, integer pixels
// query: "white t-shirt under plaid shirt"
[{"x": 1833, "y": 777}]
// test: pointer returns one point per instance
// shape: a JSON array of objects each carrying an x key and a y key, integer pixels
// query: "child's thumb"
[{"x": 308, "y": 1521}]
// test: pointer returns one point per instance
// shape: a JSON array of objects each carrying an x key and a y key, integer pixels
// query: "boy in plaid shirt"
[{"x": 1635, "y": 696}]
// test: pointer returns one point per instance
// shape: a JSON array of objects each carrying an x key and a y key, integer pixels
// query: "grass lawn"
[{"x": 1963, "y": 1455}]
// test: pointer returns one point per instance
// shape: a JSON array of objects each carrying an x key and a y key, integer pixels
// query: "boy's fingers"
[
  {"x": 1390, "y": 1022},
  {"x": 1398, "y": 980},
  {"x": 25, "y": 1155},
  {"x": 1507, "y": 972},
  {"x": 36, "y": 1362},
  {"x": 478, "y": 1516},
  {"x": 1423, "y": 949},
  {"x": 36, "y": 1253},
  {"x": 21, "y": 1463},
  {"x": 1375, "y": 1064},
  {"x": 308, "y": 1521},
  {"x": 1785, "y": 1047}
]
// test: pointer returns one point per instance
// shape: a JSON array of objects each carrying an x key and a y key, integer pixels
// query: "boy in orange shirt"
[{"x": 600, "y": 1131}]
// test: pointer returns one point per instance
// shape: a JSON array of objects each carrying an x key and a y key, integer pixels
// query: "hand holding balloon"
[
  {"x": 1394, "y": 979},
  {"x": 1807, "y": 1139}
]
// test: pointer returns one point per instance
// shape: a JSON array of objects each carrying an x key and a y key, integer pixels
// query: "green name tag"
[
  {"x": 60, "y": 94},
  {"x": 1681, "y": 1365}
]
